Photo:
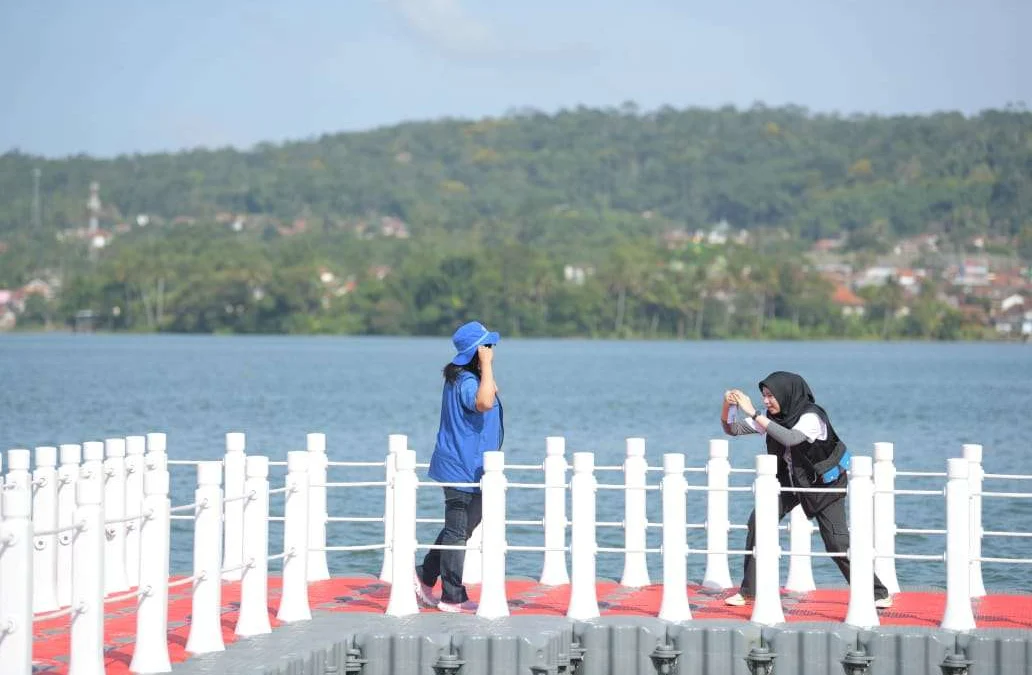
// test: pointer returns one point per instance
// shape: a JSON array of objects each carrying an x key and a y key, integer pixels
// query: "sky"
[{"x": 113, "y": 77}]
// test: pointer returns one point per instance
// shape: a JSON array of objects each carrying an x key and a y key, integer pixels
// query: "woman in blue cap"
[{"x": 471, "y": 424}]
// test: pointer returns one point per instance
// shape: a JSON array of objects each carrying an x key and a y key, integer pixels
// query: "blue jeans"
[{"x": 462, "y": 512}]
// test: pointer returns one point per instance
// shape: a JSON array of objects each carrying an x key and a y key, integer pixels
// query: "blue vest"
[{"x": 464, "y": 434}]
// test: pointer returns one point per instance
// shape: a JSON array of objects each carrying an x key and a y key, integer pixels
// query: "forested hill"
[{"x": 551, "y": 179}]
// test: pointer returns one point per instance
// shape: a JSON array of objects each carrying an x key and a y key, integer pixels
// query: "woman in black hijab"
[{"x": 810, "y": 455}]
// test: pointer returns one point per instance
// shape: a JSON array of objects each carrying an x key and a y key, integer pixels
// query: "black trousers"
[
  {"x": 462, "y": 511},
  {"x": 830, "y": 512}
]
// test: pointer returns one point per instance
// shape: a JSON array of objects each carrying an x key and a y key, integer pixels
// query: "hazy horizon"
[{"x": 127, "y": 77}]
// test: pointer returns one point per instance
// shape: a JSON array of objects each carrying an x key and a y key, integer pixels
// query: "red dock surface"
[{"x": 367, "y": 594}]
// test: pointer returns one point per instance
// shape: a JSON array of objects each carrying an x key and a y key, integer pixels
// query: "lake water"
[{"x": 927, "y": 398}]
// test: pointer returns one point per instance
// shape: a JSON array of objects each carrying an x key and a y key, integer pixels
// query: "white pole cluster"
[{"x": 94, "y": 519}]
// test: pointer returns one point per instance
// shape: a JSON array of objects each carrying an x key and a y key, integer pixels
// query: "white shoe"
[
  {"x": 736, "y": 600},
  {"x": 466, "y": 607},
  {"x": 423, "y": 592},
  {"x": 883, "y": 603}
]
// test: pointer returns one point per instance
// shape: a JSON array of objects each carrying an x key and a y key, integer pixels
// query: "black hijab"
[{"x": 794, "y": 397}]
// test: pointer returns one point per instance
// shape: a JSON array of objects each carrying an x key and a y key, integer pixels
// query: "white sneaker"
[
  {"x": 468, "y": 607},
  {"x": 736, "y": 600},
  {"x": 423, "y": 592},
  {"x": 883, "y": 603}
]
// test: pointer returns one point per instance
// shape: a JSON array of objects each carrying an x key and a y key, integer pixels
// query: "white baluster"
[
  {"x": 861, "y": 611},
  {"x": 958, "y": 615},
  {"x": 636, "y": 570},
  {"x": 157, "y": 442},
  {"x": 674, "y": 605},
  {"x": 114, "y": 509},
  {"x": 135, "y": 446},
  {"x": 234, "y": 463},
  {"x": 493, "y": 602},
  {"x": 16, "y": 582},
  {"x": 206, "y": 608},
  {"x": 583, "y": 546},
  {"x": 885, "y": 516},
  {"x": 767, "y": 609},
  {"x": 553, "y": 570},
  {"x": 67, "y": 478},
  {"x": 87, "y": 623},
  {"x": 800, "y": 569},
  {"x": 150, "y": 653},
  {"x": 402, "y": 601},
  {"x": 317, "y": 465},
  {"x": 395, "y": 444},
  {"x": 976, "y": 475},
  {"x": 44, "y": 519},
  {"x": 718, "y": 525},
  {"x": 294, "y": 599},
  {"x": 254, "y": 589}
]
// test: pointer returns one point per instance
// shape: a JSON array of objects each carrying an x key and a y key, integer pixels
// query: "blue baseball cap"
[{"x": 468, "y": 337}]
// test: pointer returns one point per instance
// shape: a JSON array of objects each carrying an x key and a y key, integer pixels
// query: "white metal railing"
[{"x": 106, "y": 506}]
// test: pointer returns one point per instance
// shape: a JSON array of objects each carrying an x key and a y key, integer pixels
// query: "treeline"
[{"x": 211, "y": 280}]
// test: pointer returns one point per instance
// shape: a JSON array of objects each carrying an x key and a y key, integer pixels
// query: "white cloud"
[{"x": 448, "y": 26}]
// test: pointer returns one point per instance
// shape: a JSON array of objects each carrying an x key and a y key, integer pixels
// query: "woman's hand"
[
  {"x": 741, "y": 399},
  {"x": 486, "y": 354}
]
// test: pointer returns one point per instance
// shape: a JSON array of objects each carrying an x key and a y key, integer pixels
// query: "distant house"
[{"x": 851, "y": 303}]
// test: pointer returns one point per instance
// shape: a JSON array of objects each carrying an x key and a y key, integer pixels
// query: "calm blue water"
[{"x": 926, "y": 398}]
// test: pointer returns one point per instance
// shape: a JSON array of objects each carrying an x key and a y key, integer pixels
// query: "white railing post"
[
  {"x": 135, "y": 447},
  {"x": 67, "y": 478},
  {"x": 16, "y": 582},
  {"x": 317, "y": 515},
  {"x": 234, "y": 463},
  {"x": 861, "y": 611},
  {"x": 254, "y": 588},
  {"x": 553, "y": 570},
  {"x": 395, "y": 443},
  {"x": 93, "y": 465},
  {"x": 674, "y": 605},
  {"x": 114, "y": 509},
  {"x": 958, "y": 615},
  {"x": 44, "y": 518},
  {"x": 150, "y": 654},
  {"x": 493, "y": 602},
  {"x": 636, "y": 569},
  {"x": 718, "y": 525},
  {"x": 583, "y": 546},
  {"x": 206, "y": 606},
  {"x": 885, "y": 516},
  {"x": 402, "y": 601},
  {"x": 87, "y": 621},
  {"x": 976, "y": 475},
  {"x": 294, "y": 598},
  {"x": 767, "y": 609},
  {"x": 157, "y": 441},
  {"x": 800, "y": 569}
]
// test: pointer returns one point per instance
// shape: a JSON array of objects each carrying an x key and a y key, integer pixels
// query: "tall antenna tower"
[
  {"x": 36, "y": 215},
  {"x": 93, "y": 205}
]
